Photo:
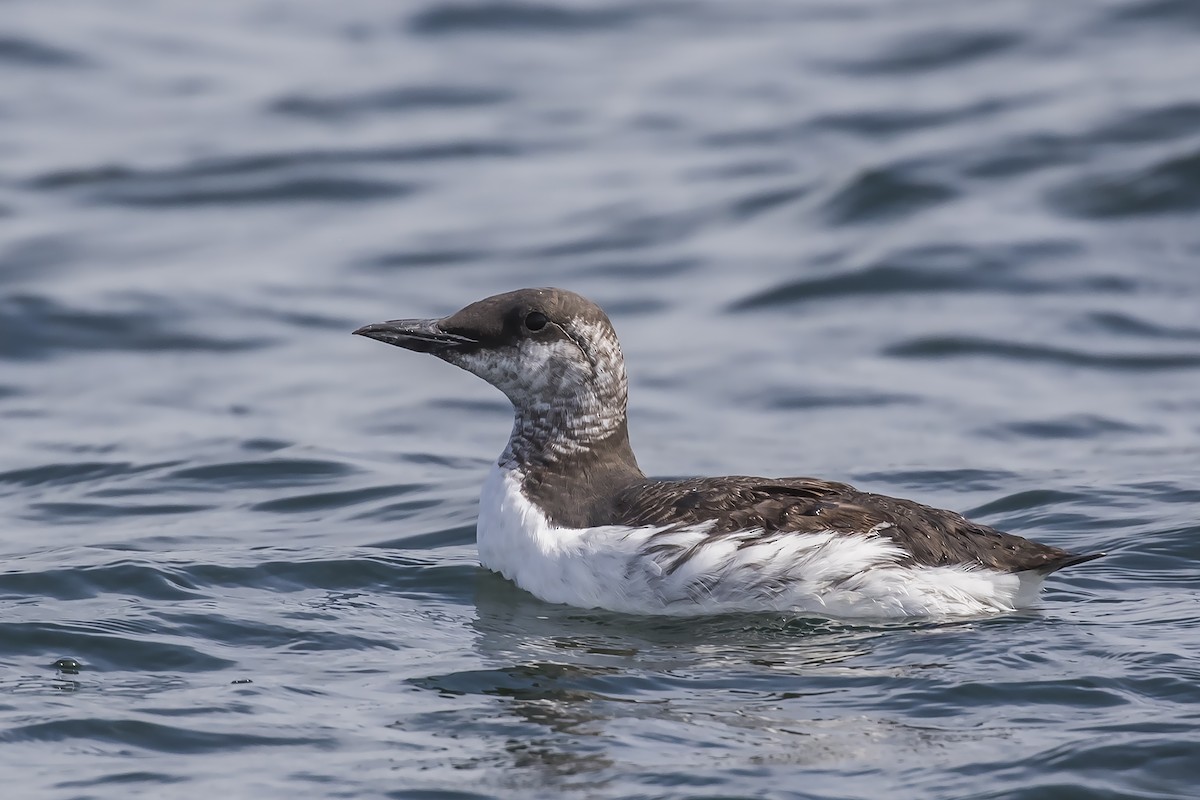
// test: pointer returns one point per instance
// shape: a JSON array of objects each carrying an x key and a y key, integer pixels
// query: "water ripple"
[
  {"x": 149, "y": 736},
  {"x": 399, "y": 99},
  {"x": 34, "y": 326},
  {"x": 884, "y": 193},
  {"x": 934, "y": 268},
  {"x": 25, "y": 52},
  {"x": 102, "y": 649},
  {"x": 1075, "y": 426},
  {"x": 876, "y": 123},
  {"x": 933, "y": 49},
  {"x": 122, "y": 778},
  {"x": 300, "y": 176},
  {"x": 1021, "y": 154},
  {"x": 539, "y": 681},
  {"x": 1163, "y": 14},
  {"x": 760, "y": 202},
  {"x": 1125, "y": 324},
  {"x": 273, "y": 161},
  {"x": 72, "y": 512},
  {"x": 127, "y": 579},
  {"x": 256, "y": 633},
  {"x": 62, "y": 474},
  {"x": 628, "y": 233},
  {"x": 1026, "y": 500},
  {"x": 1168, "y": 186},
  {"x": 263, "y": 473},
  {"x": 1171, "y": 121},
  {"x": 944, "y": 347},
  {"x": 321, "y": 501},
  {"x": 394, "y": 573},
  {"x": 518, "y": 17},
  {"x": 420, "y": 259}
]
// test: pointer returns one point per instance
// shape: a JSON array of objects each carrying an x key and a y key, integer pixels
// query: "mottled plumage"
[
  {"x": 929, "y": 536},
  {"x": 568, "y": 515}
]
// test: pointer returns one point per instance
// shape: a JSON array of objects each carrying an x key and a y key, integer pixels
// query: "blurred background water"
[{"x": 940, "y": 249}]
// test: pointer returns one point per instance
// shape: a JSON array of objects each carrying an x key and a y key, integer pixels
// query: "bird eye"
[{"x": 535, "y": 321}]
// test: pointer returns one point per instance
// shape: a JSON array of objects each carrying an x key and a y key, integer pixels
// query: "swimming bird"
[{"x": 567, "y": 515}]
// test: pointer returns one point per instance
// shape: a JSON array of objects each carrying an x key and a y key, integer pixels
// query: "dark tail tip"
[{"x": 1069, "y": 560}]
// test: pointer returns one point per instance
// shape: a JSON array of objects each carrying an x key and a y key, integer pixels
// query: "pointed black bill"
[
  {"x": 1069, "y": 560},
  {"x": 419, "y": 335}
]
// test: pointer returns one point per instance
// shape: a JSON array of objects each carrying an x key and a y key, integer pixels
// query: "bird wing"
[{"x": 797, "y": 506}]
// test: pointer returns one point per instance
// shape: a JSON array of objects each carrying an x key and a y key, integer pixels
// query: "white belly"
[{"x": 827, "y": 574}]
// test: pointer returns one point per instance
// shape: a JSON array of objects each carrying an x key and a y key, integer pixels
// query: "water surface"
[{"x": 942, "y": 250}]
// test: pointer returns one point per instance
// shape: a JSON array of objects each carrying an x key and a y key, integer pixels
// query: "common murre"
[{"x": 567, "y": 514}]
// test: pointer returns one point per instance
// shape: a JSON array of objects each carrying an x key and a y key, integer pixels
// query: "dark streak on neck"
[{"x": 574, "y": 483}]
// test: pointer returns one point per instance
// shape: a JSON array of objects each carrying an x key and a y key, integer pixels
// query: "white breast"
[{"x": 827, "y": 573}]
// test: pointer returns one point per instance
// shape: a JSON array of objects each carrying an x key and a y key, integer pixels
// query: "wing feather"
[{"x": 797, "y": 506}]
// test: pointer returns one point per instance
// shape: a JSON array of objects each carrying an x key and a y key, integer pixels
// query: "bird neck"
[
  {"x": 572, "y": 479},
  {"x": 553, "y": 436}
]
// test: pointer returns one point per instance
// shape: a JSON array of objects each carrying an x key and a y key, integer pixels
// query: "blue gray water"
[{"x": 940, "y": 249}]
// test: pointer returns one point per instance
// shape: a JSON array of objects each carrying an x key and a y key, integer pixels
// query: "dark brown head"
[{"x": 552, "y": 352}]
